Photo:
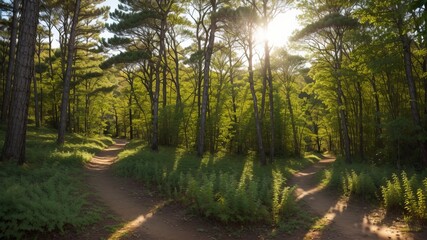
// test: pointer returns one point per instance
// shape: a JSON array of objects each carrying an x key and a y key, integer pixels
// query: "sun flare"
[{"x": 279, "y": 30}]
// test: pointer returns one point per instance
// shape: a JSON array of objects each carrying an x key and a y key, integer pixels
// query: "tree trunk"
[
  {"x": 130, "y": 118},
  {"x": 41, "y": 92},
  {"x": 235, "y": 124},
  {"x": 271, "y": 98},
  {"x": 360, "y": 120},
  {"x": 67, "y": 77},
  {"x": 155, "y": 136},
  {"x": 258, "y": 124},
  {"x": 36, "y": 101},
  {"x": 377, "y": 129},
  {"x": 294, "y": 128},
  {"x": 86, "y": 111},
  {"x": 206, "y": 70},
  {"x": 116, "y": 122},
  {"x": 345, "y": 138},
  {"x": 14, "y": 146},
  {"x": 11, "y": 63},
  {"x": 269, "y": 79},
  {"x": 413, "y": 94}
]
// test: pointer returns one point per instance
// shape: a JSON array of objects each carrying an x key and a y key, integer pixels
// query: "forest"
[{"x": 219, "y": 117}]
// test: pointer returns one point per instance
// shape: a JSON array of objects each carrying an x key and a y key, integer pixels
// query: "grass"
[
  {"x": 229, "y": 189},
  {"x": 46, "y": 193}
]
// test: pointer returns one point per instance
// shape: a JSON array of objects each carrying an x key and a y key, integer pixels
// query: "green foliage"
[
  {"x": 392, "y": 193},
  {"x": 360, "y": 184},
  {"x": 46, "y": 194},
  {"x": 283, "y": 200},
  {"x": 224, "y": 188},
  {"x": 396, "y": 192},
  {"x": 355, "y": 179},
  {"x": 408, "y": 194},
  {"x": 39, "y": 200}
]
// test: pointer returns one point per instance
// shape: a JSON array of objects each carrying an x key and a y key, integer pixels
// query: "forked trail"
[{"x": 146, "y": 216}]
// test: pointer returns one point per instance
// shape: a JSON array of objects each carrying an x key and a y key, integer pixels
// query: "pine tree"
[{"x": 14, "y": 146}]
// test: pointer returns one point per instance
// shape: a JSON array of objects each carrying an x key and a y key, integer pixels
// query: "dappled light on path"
[
  {"x": 108, "y": 156},
  {"x": 144, "y": 215},
  {"x": 137, "y": 222},
  {"x": 340, "y": 218}
]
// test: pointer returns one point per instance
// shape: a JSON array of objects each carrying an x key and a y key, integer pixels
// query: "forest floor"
[{"x": 136, "y": 212}]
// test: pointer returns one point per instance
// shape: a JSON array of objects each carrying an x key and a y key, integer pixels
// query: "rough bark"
[
  {"x": 67, "y": 77},
  {"x": 14, "y": 146},
  {"x": 11, "y": 63}
]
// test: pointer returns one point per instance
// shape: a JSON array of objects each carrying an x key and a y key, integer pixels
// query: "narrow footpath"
[
  {"x": 339, "y": 217},
  {"x": 144, "y": 215}
]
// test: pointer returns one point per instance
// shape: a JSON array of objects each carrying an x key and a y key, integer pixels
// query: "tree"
[
  {"x": 243, "y": 26},
  {"x": 287, "y": 67},
  {"x": 396, "y": 16},
  {"x": 214, "y": 4},
  {"x": 267, "y": 10},
  {"x": 325, "y": 35},
  {"x": 67, "y": 76},
  {"x": 11, "y": 63},
  {"x": 14, "y": 146}
]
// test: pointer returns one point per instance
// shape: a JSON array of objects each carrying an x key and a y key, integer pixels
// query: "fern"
[
  {"x": 38, "y": 201},
  {"x": 392, "y": 194}
]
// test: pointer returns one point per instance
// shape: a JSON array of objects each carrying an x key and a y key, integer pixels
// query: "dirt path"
[
  {"x": 144, "y": 215},
  {"x": 341, "y": 219}
]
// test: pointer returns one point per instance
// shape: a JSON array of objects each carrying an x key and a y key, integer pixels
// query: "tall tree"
[
  {"x": 395, "y": 15},
  {"x": 67, "y": 76},
  {"x": 214, "y": 7},
  {"x": 328, "y": 24},
  {"x": 288, "y": 67},
  {"x": 243, "y": 26},
  {"x": 11, "y": 63},
  {"x": 14, "y": 146}
]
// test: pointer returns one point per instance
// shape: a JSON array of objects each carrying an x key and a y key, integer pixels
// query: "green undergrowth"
[
  {"x": 46, "y": 193},
  {"x": 221, "y": 187},
  {"x": 402, "y": 191}
]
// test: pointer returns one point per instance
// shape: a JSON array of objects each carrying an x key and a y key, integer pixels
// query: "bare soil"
[
  {"x": 342, "y": 217},
  {"x": 141, "y": 214}
]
